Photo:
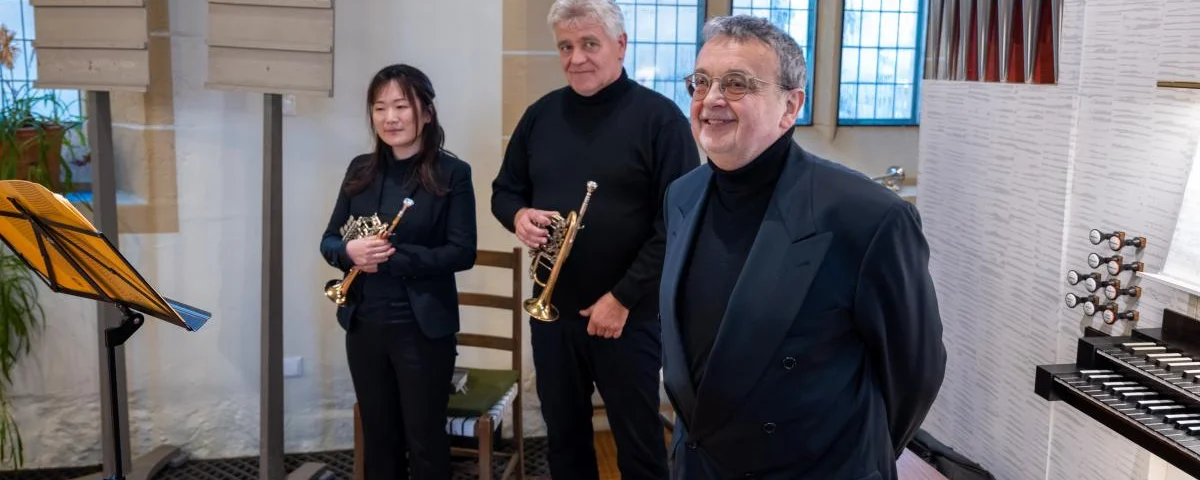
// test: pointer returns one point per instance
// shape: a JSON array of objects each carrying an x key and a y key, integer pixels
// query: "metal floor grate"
[{"x": 341, "y": 463}]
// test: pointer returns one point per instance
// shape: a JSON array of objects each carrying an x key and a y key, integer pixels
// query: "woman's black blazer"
[{"x": 435, "y": 238}]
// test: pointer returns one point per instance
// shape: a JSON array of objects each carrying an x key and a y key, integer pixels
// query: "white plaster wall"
[
  {"x": 1012, "y": 179},
  {"x": 201, "y": 390},
  {"x": 870, "y": 150}
]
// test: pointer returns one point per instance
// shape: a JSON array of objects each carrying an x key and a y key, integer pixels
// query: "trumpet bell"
[
  {"x": 541, "y": 310},
  {"x": 333, "y": 291}
]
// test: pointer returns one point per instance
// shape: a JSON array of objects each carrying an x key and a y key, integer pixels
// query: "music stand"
[{"x": 71, "y": 256}]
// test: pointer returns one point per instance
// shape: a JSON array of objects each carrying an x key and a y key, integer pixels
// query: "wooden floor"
[{"x": 910, "y": 467}]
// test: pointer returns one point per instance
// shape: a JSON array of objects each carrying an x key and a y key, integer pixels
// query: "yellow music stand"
[{"x": 71, "y": 256}]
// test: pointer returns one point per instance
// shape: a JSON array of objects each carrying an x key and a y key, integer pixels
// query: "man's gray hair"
[
  {"x": 607, "y": 12},
  {"x": 740, "y": 28}
]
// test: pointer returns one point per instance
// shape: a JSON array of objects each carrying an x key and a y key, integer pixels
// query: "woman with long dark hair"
[{"x": 401, "y": 311}]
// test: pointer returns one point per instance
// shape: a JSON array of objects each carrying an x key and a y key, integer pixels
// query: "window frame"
[
  {"x": 630, "y": 54},
  {"x": 918, "y": 75},
  {"x": 28, "y": 56},
  {"x": 805, "y": 119}
]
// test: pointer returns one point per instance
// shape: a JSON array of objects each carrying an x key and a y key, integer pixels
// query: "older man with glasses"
[{"x": 801, "y": 333}]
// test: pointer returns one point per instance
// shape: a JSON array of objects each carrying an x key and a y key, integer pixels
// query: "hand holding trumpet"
[
  {"x": 530, "y": 225},
  {"x": 368, "y": 252}
]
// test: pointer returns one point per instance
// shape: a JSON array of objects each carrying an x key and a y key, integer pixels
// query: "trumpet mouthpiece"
[
  {"x": 408, "y": 202},
  {"x": 591, "y": 185}
]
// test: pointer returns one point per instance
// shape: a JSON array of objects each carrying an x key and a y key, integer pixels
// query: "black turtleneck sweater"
[
  {"x": 736, "y": 203},
  {"x": 630, "y": 140}
]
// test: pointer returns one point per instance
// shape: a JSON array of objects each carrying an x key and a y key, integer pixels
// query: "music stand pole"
[{"x": 113, "y": 338}]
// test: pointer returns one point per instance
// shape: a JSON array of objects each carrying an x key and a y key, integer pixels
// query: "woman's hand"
[{"x": 369, "y": 252}]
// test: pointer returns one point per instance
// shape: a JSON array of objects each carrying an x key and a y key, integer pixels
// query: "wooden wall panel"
[
  {"x": 92, "y": 44},
  {"x": 279, "y": 3},
  {"x": 271, "y": 46},
  {"x": 271, "y": 28},
  {"x": 75, "y": 27},
  {"x": 87, "y": 3},
  {"x": 270, "y": 71},
  {"x": 93, "y": 69}
]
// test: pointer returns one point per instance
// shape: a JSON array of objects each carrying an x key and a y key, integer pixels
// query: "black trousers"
[
  {"x": 402, "y": 382},
  {"x": 625, "y": 369}
]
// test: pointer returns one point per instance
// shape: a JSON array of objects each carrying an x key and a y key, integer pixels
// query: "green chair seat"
[{"x": 488, "y": 392}]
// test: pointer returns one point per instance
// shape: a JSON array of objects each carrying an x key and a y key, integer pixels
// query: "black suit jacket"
[
  {"x": 436, "y": 238},
  {"x": 830, "y": 353}
]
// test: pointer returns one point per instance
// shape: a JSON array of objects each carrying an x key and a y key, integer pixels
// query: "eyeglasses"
[{"x": 733, "y": 85}]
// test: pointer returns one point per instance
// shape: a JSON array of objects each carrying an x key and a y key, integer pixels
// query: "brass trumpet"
[
  {"x": 356, "y": 228},
  {"x": 555, "y": 252}
]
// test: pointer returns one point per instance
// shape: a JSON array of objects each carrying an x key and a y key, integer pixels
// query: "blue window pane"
[
  {"x": 852, "y": 29},
  {"x": 907, "y": 30},
  {"x": 904, "y": 101},
  {"x": 663, "y": 35},
  {"x": 799, "y": 19},
  {"x": 884, "y": 98},
  {"x": 667, "y": 24},
  {"x": 17, "y": 16},
  {"x": 686, "y": 25},
  {"x": 866, "y": 101},
  {"x": 10, "y": 16},
  {"x": 849, "y": 65},
  {"x": 889, "y": 23},
  {"x": 847, "y": 100},
  {"x": 870, "y": 29},
  {"x": 882, "y": 43},
  {"x": 886, "y": 69}
]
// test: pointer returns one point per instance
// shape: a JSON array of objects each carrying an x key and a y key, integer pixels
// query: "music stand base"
[
  {"x": 311, "y": 471},
  {"x": 148, "y": 466}
]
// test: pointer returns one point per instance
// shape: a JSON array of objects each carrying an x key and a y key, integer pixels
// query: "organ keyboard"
[{"x": 1145, "y": 386}]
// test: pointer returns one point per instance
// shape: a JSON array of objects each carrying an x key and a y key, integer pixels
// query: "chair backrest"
[{"x": 498, "y": 259}]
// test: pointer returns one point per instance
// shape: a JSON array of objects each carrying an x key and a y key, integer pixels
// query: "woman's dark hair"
[{"x": 419, "y": 91}]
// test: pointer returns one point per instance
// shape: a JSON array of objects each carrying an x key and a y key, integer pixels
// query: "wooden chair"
[{"x": 490, "y": 393}]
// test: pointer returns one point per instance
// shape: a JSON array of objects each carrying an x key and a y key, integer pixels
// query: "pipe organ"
[{"x": 1008, "y": 41}]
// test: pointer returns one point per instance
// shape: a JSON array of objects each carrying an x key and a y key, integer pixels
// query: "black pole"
[
  {"x": 113, "y": 338},
  {"x": 116, "y": 415},
  {"x": 270, "y": 462}
]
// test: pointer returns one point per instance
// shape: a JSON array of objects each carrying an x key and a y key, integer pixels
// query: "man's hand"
[
  {"x": 606, "y": 317},
  {"x": 530, "y": 226},
  {"x": 368, "y": 252}
]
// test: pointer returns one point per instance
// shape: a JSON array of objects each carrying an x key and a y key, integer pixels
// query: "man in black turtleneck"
[
  {"x": 632, "y": 141},
  {"x": 801, "y": 333}
]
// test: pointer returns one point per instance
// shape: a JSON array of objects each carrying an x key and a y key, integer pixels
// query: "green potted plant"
[{"x": 34, "y": 128}]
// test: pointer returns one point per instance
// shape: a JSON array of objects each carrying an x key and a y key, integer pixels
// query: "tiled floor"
[{"x": 342, "y": 465}]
